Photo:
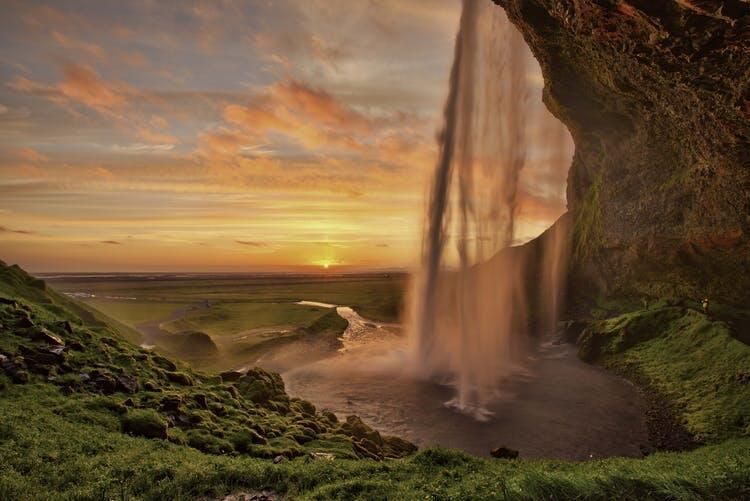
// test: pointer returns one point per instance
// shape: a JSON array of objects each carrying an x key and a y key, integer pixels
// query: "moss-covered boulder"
[{"x": 144, "y": 423}]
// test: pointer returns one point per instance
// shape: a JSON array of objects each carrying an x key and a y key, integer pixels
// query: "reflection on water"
[{"x": 553, "y": 405}]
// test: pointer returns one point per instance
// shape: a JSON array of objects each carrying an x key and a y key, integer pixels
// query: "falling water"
[{"x": 472, "y": 301}]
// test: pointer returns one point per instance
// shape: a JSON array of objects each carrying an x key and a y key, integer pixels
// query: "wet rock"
[
  {"x": 572, "y": 329},
  {"x": 127, "y": 384},
  {"x": 395, "y": 447},
  {"x": 504, "y": 453}
]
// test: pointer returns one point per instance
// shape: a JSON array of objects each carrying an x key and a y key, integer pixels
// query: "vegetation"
[
  {"x": 693, "y": 359},
  {"x": 96, "y": 417}
]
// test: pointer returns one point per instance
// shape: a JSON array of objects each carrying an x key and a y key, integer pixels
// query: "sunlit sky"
[{"x": 225, "y": 135}]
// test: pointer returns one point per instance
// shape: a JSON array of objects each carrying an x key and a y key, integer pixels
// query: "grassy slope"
[
  {"x": 692, "y": 359},
  {"x": 58, "y": 448},
  {"x": 229, "y": 319},
  {"x": 72, "y": 447}
]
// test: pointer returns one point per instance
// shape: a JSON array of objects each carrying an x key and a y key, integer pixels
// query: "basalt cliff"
[{"x": 657, "y": 97}]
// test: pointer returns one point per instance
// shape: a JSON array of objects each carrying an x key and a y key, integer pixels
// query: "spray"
[{"x": 471, "y": 304}]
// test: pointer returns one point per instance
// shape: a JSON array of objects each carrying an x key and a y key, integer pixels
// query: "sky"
[{"x": 226, "y": 135}]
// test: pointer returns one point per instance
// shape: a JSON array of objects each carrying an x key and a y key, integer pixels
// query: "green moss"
[
  {"x": 144, "y": 423},
  {"x": 587, "y": 228},
  {"x": 692, "y": 359}
]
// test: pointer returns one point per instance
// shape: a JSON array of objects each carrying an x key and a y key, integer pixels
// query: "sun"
[{"x": 326, "y": 265}]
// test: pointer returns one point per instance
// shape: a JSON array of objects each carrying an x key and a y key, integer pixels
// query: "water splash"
[{"x": 472, "y": 301}]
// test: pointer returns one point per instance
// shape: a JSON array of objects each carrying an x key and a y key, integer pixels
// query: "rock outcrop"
[{"x": 657, "y": 98}]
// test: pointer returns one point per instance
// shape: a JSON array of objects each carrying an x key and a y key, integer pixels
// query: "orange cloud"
[
  {"x": 70, "y": 43},
  {"x": 83, "y": 88}
]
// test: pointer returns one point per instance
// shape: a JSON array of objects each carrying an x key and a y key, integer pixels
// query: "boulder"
[
  {"x": 261, "y": 386},
  {"x": 230, "y": 376},
  {"x": 145, "y": 423},
  {"x": 42, "y": 335},
  {"x": 127, "y": 384},
  {"x": 322, "y": 456},
  {"x": 180, "y": 378}
]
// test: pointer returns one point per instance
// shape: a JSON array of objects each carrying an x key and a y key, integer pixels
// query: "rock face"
[{"x": 657, "y": 98}]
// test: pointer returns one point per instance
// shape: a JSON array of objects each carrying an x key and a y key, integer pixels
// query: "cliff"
[{"x": 657, "y": 98}]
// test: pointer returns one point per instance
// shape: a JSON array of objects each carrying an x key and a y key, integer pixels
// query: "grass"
[
  {"x": 694, "y": 360},
  {"x": 53, "y": 449},
  {"x": 133, "y": 313},
  {"x": 231, "y": 319},
  {"x": 375, "y": 296},
  {"x": 63, "y": 436}
]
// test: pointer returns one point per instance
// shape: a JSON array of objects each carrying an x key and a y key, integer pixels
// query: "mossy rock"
[
  {"x": 145, "y": 423},
  {"x": 245, "y": 440},
  {"x": 260, "y": 386},
  {"x": 206, "y": 442}
]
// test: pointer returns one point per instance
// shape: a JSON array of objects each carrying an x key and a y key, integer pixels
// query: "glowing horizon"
[{"x": 231, "y": 136}]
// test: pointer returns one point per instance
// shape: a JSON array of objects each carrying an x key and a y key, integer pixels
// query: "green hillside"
[{"x": 86, "y": 414}]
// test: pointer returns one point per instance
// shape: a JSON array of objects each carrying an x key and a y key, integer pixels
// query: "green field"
[
  {"x": 231, "y": 319},
  {"x": 245, "y": 316}
]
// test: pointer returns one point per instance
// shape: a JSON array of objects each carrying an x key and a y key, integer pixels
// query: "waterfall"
[{"x": 472, "y": 298}]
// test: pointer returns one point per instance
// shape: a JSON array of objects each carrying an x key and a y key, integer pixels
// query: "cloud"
[
  {"x": 251, "y": 244},
  {"x": 110, "y": 242},
  {"x": 3, "y": 229},
  {"x": 83, "y": 88},
  {"x": 71, "y": 43}
]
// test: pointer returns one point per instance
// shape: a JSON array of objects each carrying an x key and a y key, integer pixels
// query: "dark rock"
[
  {"x": 43, "y": 355},
  {"x": 103, "y": 382},
  {"x": 504, "y": 453},
  {"x": 44, "y": 336},
  {"x": 129, "y": 403},
  {"x": 656, "y": 97},
  {"x": 25, "y": 322},
  {"x": 180, "y": 378},
  {"x": 20, "y": 376},
  {"x": 201, "y": 400},
  {"x": 151, "y": 386},
  {"x": 6, "y": 300},
  {"x": 230, "y": 376},
  {"x": 164, "y": 363},
  {"x": 76, "y": 346},
  {"x": 127, "y": 384},
  {"x": 171, "y": 403}
]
